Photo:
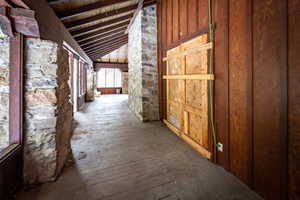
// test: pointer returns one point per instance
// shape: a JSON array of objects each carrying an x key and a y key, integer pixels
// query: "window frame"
[
  {"x": 16, "y": 93},
  {"x": 105, "y": 78}
]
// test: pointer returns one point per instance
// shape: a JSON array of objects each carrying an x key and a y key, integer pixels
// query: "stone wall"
[
  {"x": 135, "y": 67},
  {"x": 142, "y": 61},
  {"x": 149, "y": 64},
  {"x": 90, "y": 92},
  {"x": 48, "y": 112},
  {"x": 4, "y": 93},
  {"x": 124, "y": 82}
]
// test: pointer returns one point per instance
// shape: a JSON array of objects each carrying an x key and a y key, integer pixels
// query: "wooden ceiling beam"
[
  {"x": 108, "y": 48},
  {"x": 87, "y": 20},
  {"x": 93, "y": 6},
  {"x": 149, "y": 3},
  {"x": 109, "y": 51},
  {"x": 95, "y": 27},
  {"x": 105, "y": 48},
  {"x": 102, "y": 53},
  {"x": 106, "y": 43},
  {"x": 54, "y": 2},
  {"x": 101, "y": 31},
  {"x": 106, "y": 51},
  {"x": 91, "y": 45},
  {"x": 119, "y": 31}
]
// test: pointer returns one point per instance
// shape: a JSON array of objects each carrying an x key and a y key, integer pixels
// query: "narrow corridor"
[{"x": 118, "y": 157}]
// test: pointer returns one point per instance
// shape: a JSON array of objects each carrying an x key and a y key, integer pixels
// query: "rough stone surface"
[
  {"x": 48, "y": 112},
  {"x": 90, "y": 85},
  {"x": 142, "y": 59},
  {"x": 64, "y": 125},
  {"x": 125, "y": 82},
  {"x": 4, "y": 93},
  {"x": 135, "y": 95}
]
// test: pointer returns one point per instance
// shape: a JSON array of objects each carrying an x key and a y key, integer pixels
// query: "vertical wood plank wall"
[
  {"x": 257, "y": 93},
  {"x": 293, "y": 99},
  {"x": 269, "y": 96},
  {"x": 240, "y": 86}
]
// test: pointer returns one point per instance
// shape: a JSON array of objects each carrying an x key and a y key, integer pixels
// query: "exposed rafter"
[
  {"x": 106, "y": 42},
  {"x": 93, "y": 6},
  {"x": 109, "y": 51},
  {"x": 54, "y": 2},
  {"x": 102, "y": 31},
  {"x": 149, "y": 2},
  {"x": 107, "y": 48},
  {"x": 105, "y": 36},
  {"x": 87, "y": 20},
  {"x": 77, "y": 33}
]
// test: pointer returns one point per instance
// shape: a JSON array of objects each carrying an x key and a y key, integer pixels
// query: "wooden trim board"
[
  {"x": 188, "y": 140},
  {"x": 193, "y": 77},
  {"x": 203, "y": 47}
]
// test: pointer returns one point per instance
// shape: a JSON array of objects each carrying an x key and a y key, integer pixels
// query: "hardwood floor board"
[{"x": 117, "y": 157}]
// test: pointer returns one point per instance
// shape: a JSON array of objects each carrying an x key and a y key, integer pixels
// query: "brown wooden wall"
[
  {"x": 257, "y": 86},
  {"x": 294, "y": 99}
]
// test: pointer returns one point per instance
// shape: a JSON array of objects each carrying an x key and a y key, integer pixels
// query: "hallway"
[{"x": 118, "y": 157}]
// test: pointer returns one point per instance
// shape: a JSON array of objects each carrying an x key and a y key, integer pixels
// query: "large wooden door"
[{"x": 187, "y": 92}]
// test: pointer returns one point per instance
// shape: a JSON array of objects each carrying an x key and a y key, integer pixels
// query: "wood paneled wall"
[
  {"x": 294, "y": 99},
  {"x": 257, "y": 86}
]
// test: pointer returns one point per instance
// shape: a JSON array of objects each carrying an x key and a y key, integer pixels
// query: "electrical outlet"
[{"x": 220, "y": 147}]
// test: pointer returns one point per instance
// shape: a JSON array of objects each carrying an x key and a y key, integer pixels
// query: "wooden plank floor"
[{"x": 120, "y": 158}]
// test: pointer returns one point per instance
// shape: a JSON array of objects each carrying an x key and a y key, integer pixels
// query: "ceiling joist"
[
  {"x": 104, "y": 37},
  {"x": 95, "y": 27},
  {"x": 109, "y": 51},
  {"x": 101, "y": 31},
  {"x": 100, "y": 55},
  {"x": 93, "y": 6},
  {"x": 105, "y": 43},
  {"x": 106, "y": 48},
  {"x": 88, "y": 20}
]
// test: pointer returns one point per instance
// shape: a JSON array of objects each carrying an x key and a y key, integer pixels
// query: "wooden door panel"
[
  {"x": 196, "y": 63},
  {"x": 187, "y": 92},
  {"x": 196, "y": 94},
  {"x": 176, "y": 91},
  {"x": 174, "y": 115},
  {"x": 175, "y": 66}
]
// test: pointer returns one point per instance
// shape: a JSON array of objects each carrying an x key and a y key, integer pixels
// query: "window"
[
  {"x": 11, "y": 94},
  {"x": 109, "y": 78}
]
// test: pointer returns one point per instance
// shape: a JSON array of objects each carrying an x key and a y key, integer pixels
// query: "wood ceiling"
[{"x": 99, "y": 26}]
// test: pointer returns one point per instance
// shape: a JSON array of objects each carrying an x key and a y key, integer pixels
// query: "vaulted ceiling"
[{"x": 99, "y": 26}]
